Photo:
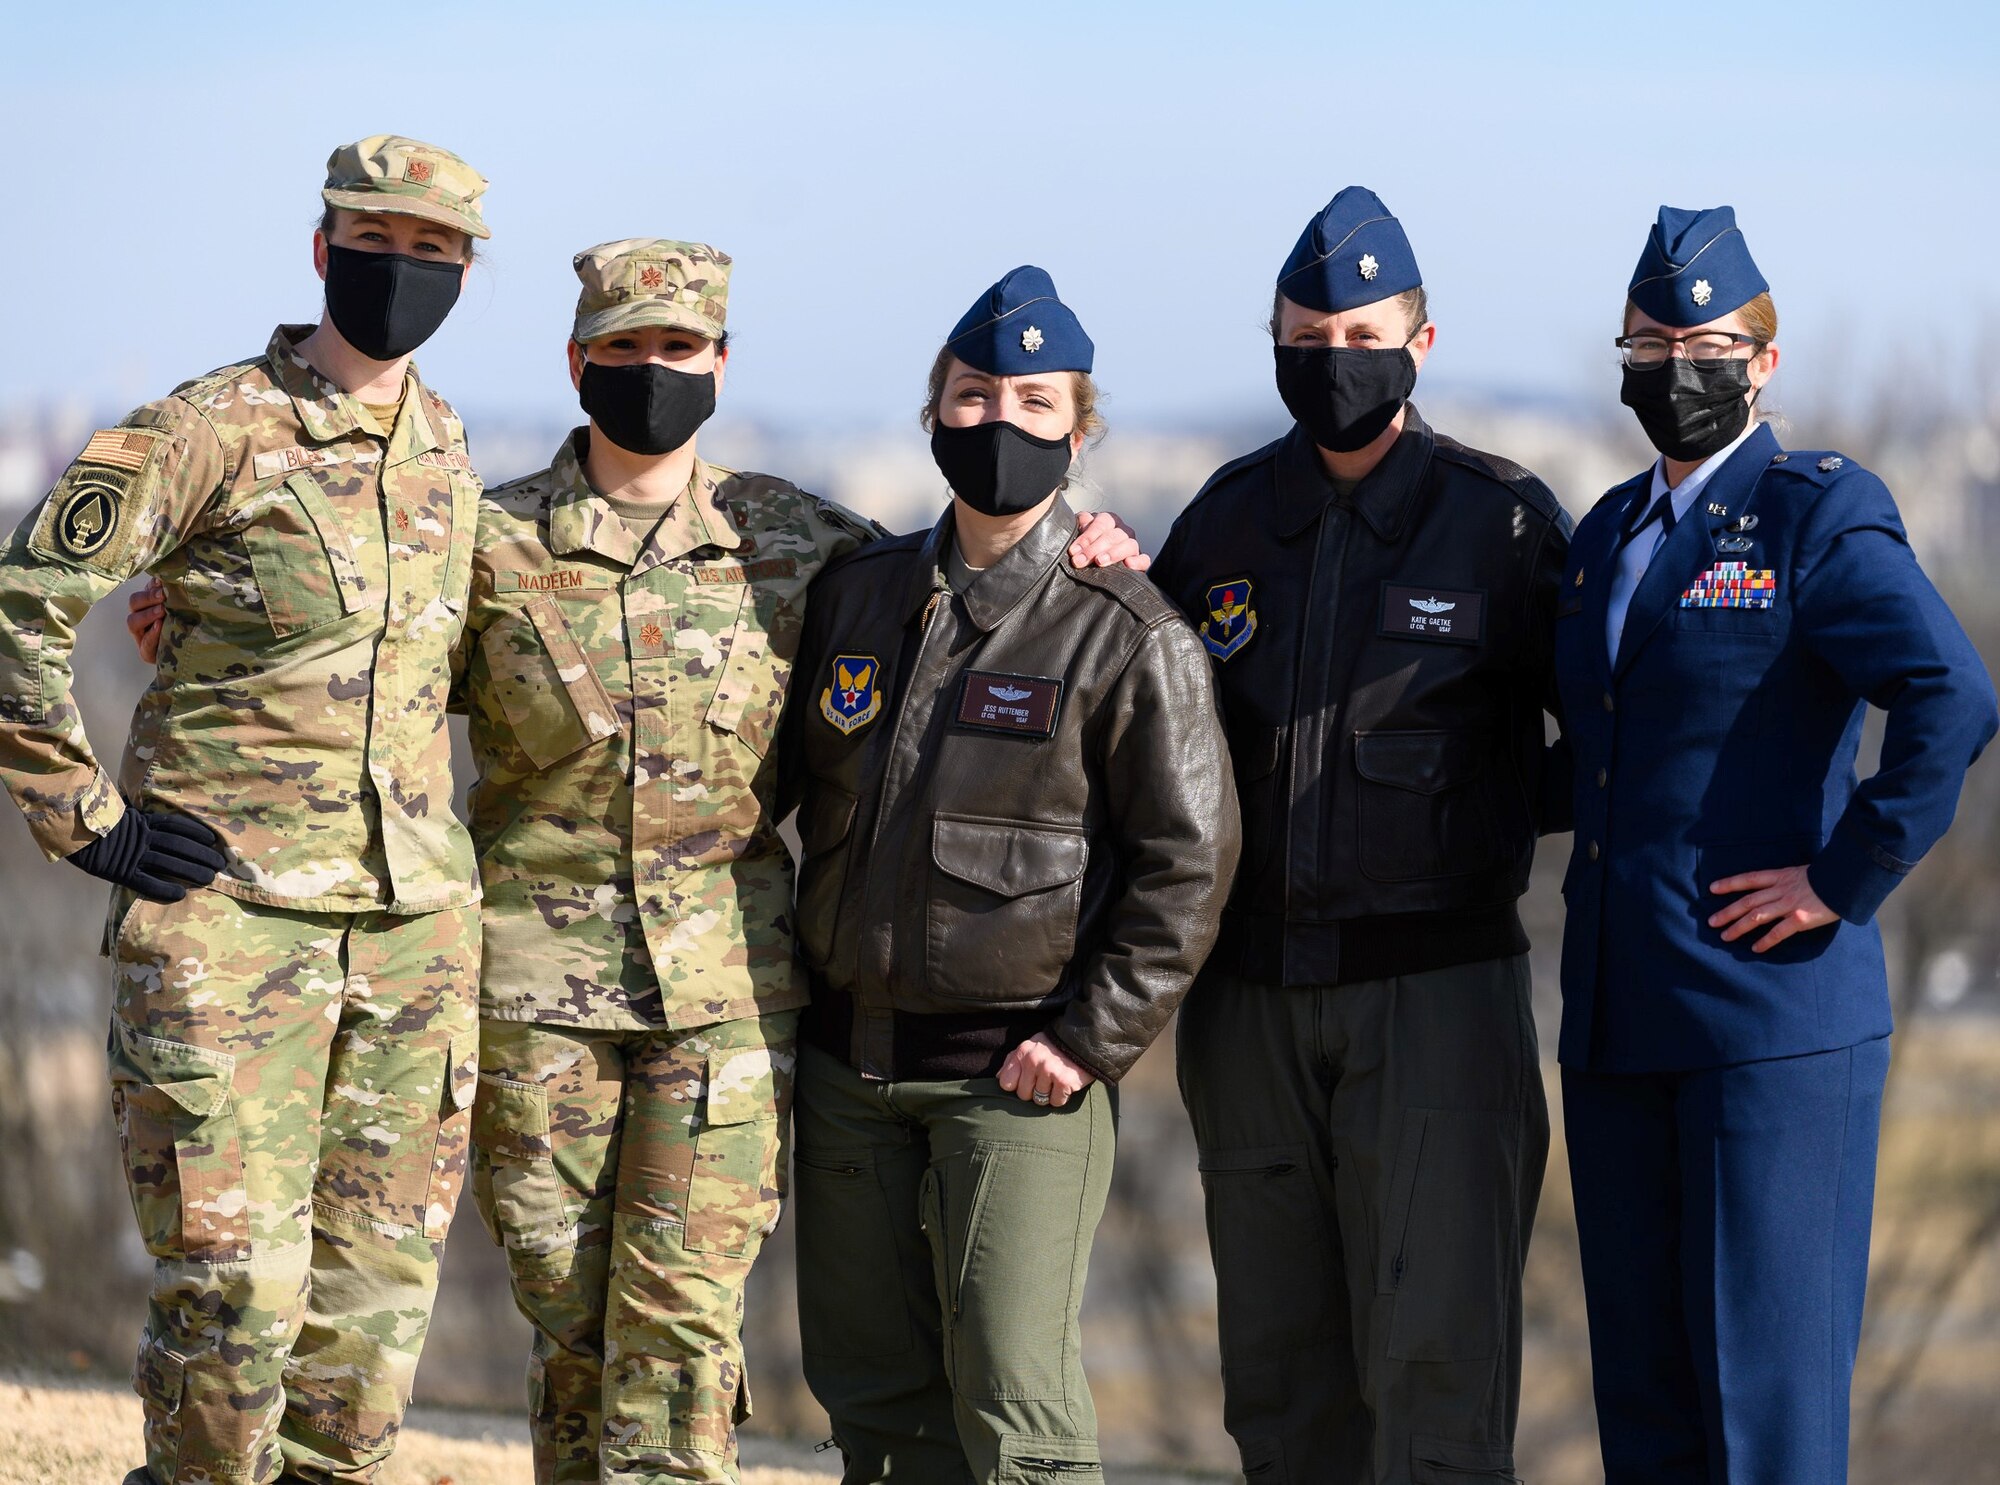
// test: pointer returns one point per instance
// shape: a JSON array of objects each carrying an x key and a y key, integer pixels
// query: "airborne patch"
[{"x": 854, "y": 699}]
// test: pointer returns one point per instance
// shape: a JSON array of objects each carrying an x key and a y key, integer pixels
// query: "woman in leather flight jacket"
[{"x": 1019, "y": 828}]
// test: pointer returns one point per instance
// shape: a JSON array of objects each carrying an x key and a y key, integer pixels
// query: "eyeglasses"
[{"x": 1705, "y": 351}]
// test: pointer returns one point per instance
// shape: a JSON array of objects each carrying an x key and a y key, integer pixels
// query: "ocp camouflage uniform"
[
  {"x": 292, "y": 1053},
  {"x": 639, "y": 1002}
]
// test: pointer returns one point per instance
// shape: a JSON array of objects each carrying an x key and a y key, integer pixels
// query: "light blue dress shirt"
[{"x": 1637, "y": 554}]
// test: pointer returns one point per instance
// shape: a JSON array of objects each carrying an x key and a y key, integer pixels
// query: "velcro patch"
[
  {"x": 562, "y": 580},
  {"x": 748, "y": 572},
  {"x": 272, "y": 462},
  {"x": 1453, "y": 616},
  {"x": 121, "y": 448},
  {"x": 1024, "y": 704},
  {"x": 85, "y": 520}
]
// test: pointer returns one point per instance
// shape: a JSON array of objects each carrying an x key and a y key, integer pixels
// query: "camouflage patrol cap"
[
  {"x": 386, "y": 172},
  {"x": 639, "y": 281}
]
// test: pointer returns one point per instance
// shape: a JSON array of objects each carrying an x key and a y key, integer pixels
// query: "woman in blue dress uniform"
[{"x": 1726, "y": 617}]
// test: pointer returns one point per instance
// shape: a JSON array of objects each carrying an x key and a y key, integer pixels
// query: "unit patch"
[
  {"x": 1455, "y": 616},
  {"x": 85, "y": 519},
  {"x": 1231, "y": 621},
  {"x": 854, "y": 698},
  {"x": 1024, "y": 704}
]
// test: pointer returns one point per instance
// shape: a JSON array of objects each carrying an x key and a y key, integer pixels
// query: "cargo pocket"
[
  {"x": 182, "y": 1149},
  {"x": 554, "y": 703},
  {"x": 1436, "y": 1461},
  {"x": 1449, "y": 1235},
  {"x": 734, "y": 1194},
  {"x": 461, "y": 1086},
  {"x": 300, "y": 556},
  {"x": 1029, "y": 1460},
  {"x": 844, "y": 1219},
  {"x": 824, "y": 823},
  {"x": 1004, "y": 897},
  {"x": 1262, "y": 1205},
  {"x": 1425, "y": 810},
  {"x": 514, "y": 1181},
  {"x": 159, "y": 1376}
]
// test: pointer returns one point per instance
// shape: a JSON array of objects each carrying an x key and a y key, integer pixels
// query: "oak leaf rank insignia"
[
  {"x": 853, "y": 697},
  {"x": 1231, "y": 621}
]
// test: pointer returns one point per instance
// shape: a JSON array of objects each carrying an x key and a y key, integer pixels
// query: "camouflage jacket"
[
  {"x": 315, "y": 587},
  {"x": 623, "y": 698}
]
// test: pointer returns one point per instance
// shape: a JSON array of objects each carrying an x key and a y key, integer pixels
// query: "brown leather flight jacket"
[{"x": 1016, "y": 807}]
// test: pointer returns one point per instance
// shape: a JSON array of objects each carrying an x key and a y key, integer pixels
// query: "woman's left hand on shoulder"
[
  {"x": 1783, "y": 898},
  {"x": 1038, "y": 1065},
  {"x": 1104, "y": 540}
]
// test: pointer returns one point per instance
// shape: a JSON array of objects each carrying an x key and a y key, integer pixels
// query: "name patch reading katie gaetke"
[{"x": 1023, "y": 704}]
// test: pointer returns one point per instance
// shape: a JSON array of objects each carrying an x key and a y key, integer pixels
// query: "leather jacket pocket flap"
[
  {"x": 825, "y": 820},
  {"x": 194, "y": 1078},
  {"x": 1422, "y": 762},
  {"x": 1006, "y": 858}
]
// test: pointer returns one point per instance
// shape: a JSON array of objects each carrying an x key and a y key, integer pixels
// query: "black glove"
[{"x": 154, "y": 854}]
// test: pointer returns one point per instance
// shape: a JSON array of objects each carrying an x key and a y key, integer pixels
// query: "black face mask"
[
  {"x": 998, "y": 469},
  {"x": 384, "y": 304},
  {"x": 1689, "y": 414},
  {"x": 1344, "y": 397},
  {"x": 647, "y": 408}
]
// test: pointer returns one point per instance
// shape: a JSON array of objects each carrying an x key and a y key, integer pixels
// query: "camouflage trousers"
[
  {"x": 632, "y": 1177},
  {"x": 292, "y": 1093}
]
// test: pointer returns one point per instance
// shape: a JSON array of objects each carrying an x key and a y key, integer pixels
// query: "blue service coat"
[{"x": 1721, "y": 739}]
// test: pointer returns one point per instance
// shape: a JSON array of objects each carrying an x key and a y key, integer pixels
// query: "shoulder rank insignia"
[
  {"x": 854, "y": 697},
  {"x": 1231, "y": 620}
]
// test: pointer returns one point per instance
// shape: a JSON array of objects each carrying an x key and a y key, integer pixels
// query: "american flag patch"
[
  {"x": 1732, "y": 585},
  {"x": 120, "y": 448}
]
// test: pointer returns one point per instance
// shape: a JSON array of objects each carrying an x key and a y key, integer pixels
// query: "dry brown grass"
[{"x": 84, "y": 1433}]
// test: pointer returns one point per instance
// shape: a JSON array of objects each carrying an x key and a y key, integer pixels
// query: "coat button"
[
  {"x": 1603, "y": 777},
  {"x": 1591, "y": 851},
  {"x": 1609, "y": 704}
]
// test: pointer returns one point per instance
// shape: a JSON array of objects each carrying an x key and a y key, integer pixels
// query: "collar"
[
  {"x": 1685, "y": 493},
  {"x": 580, "y": 519},
  {"x": 326, "y": 412},
  {"x": 1006, "y": 582},
  {"x": 1385, "y": 496}
]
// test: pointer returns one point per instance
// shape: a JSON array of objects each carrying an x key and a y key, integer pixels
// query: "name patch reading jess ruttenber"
[
  {"x": 1452, "y": 615},
  {"x": 1023, "y": 704}
]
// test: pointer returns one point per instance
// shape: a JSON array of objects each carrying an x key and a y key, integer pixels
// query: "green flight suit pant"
[
  {"x": 944, "y": 1230},
  {"x": 1371, "y": 1155},
  {"x": 632, "y": 1177},
  {"x": 293, "y": 1093}
]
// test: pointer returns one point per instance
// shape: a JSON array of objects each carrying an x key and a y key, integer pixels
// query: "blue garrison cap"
[
  {"x": 1019, "y": 326},
  {"x": 1696, "y": 268},
  {"x": 1352, "y": 253}
]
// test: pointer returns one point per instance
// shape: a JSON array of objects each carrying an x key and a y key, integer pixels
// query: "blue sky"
[{"x": 872, "y": 168}]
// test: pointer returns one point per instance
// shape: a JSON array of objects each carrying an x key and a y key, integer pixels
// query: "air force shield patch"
[
  {"x": 854, "y": 698},
  {"x": 1231, "y": 621}
]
